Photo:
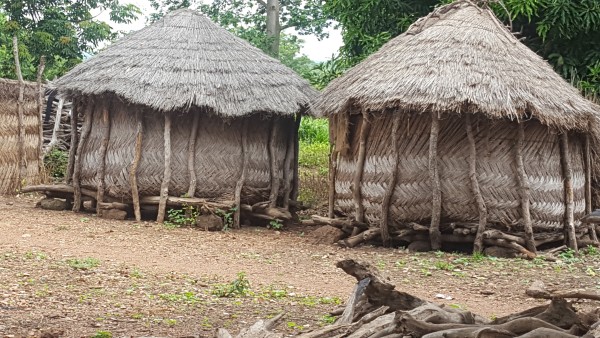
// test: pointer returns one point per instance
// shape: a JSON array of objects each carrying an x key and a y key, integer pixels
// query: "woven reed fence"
[
  {"x": 9, "y": 136},
  {"x": 396, "y": 185}
]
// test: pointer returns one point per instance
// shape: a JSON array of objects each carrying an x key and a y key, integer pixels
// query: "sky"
[{"x": 313, "y": 48}]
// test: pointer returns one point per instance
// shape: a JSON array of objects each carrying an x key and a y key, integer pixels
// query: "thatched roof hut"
[
  {"x": 454, "y": 123},
  {"x": 185, "y": 108},
  {"x": 15, "y": 172}
]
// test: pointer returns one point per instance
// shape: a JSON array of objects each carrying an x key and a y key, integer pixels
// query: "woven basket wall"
[
  {"x": 496, "y": 170},
  {"x": 9, "y": 135},
  {"x": 218, "y": 158}
]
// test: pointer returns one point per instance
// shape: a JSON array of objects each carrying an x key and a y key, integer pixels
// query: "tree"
[
  {"x": 565, "y": 32},
  {"x": 62, "y": 30}
]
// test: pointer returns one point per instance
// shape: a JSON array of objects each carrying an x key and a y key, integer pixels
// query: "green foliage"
[
  {"x": 239, "y": 287},
  {"x": 314, "y": 130},
  {"x": 227, "y": 217},
  {"x": 314, "y": 143},
  {"x": 186, "y": 216},
  {"x": 56, "y": 162},
  {"x": 62, "y": 30},
  {"x": 102, "y": 334},
  {"x": 275, "y": 225},
  {"x": 83, "y": 264}
]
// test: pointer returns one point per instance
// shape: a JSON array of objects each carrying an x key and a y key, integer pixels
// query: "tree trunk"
[
  {"x": 192, "y": 156},
  {"x": 164, "y": 187},
  {"x": 135, "y": 194},
  {"x": 273, "y": 27},
  {"x": 22, "y": 173},
  {"x": 478, "y": 245},
  {"x": 242, "y": 179},
  {"x": 524, "y": 189},
  {"x": 565, "y": 159},
  {"x": 436, "y": 205},
  {"x": 389, "y": 193}
]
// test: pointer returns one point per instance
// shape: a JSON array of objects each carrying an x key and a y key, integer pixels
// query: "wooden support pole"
[
  {"x": 565, "y": 159},
  {"x": 192, "y": 156},
  {"x": 103, "y": 149},
  {"x": 164, "y": 186},
  {"x": 74, "y": 137},
  {"x": 273, "y": 162},
  {"x": 296, "y": 178},
  {"x": 478, "y": 244},
  {"x": 288, "y": 170},
  {"x": 436, "y": 191},
  {"x": 85, "y": 132},
  {"x": 135, "y": 193},
  {"x": 387, "y": 198},
  {"x": 588, "y": 187},
  {"x": 333, "y": 157},
  {"x": 40, "y": 106},
  {"x": 56, "y": 129},
  {"x": 22, "y": 172},
  {"x": 242, "y": 179},
  {"x": 524, "y": 188},
  {"x": 360, "y": 166}
]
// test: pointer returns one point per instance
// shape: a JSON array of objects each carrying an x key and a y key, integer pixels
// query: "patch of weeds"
[
  {"x": 380, "y": 265},
  {"x": 170, "y": 322},
  {"x": 184, "y": 297},
  {"x": 327, "y": 320},
  {"x": 478, "y": 257},
  {"x": 441, "y": 265},
  {"x": 439, "y": 254},
  {"x": 137, "y": 316},
  {"x": 186, "y": 216},
  {"x": 457, "y": 306},
  {"x": 227, "y": 217},
  {"x": 569, "y": 256},
  {"x": 206, "y": 323},
  {"x": 275, "y": 225},
  {"x": 136, "y": 273},
  {"x": 294, "y": 326},
  {"x": 38, "y": 256},
  {"x": 426, "y": 272},
  {"x": 459, "y": 274},
  {"x": 311, "y": 301},
  {"x": 591, "y": 250},
  {"x": 84, "y": 220},
  {"x": 590, "y": 271},
  {"x": 239, "y": 287},
  {"x": 83, "y": 264},
  {"x": 102, "y": 334},
  {"x": 400, "y": 264}
]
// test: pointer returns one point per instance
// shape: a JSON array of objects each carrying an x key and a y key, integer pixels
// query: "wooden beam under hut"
[
  {"x": 296, "y": 177},
  {"x": 103, "y": 149},
  {"x": 481, "y": 207},
  {"x": 135, "y": 193},
  {"x": 40, "y": 106},
  {"x": 192, "y": 156},
  {"x": 436, "y": 191},
  {"x": 164, "y": 186},
  {"x": 273, "y": 162},
  {"x": 387, "y": 198},
  {"x": 565, "y": 159},
  {"x": 22, "y": 172},
  {"x": 288, "y": 170},
  {"x": 588, "y": 187},
  {"x": 75, "y": 105},
  {"x": 365, "y": 128},
  {"x": 85, "y": 132},
  {"x": 242, "y": 178},
  {"x": 524, "y": 188}
]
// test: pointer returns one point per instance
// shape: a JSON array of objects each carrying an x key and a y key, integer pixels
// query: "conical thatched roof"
[
  {"x": 460, "y": 58},
  {"x": 186, "y": 60}
]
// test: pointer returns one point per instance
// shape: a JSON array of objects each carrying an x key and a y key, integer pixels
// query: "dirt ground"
[{"x": 75, "y": 275}]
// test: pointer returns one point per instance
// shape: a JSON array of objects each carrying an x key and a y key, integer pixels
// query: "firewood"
[
  {"x": 538, "y": 290},
  {"x": 360, "y": 238},
  {"x": 339, "y": 222}
]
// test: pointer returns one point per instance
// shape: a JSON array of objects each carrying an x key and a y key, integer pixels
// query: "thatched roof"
[
  {"x": 186, "y": 60},
  {"x": 460, "y": 58}
]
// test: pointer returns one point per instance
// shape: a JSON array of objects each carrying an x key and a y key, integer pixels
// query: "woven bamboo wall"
[
  {"x": 496, "y": 170},
  {"x": 218, "y": 158},
  {"x": 9, "y": 134}
]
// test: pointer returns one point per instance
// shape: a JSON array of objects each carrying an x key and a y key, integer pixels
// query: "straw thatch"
[
  {"x": 186, "y": 60},
  {"x": 456, "y": 121},
  {"x": 9, "y": 135}
]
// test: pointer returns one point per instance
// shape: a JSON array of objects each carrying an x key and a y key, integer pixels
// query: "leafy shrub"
[
  {"x": 314, "y": 130},
  {"x": 56, "y": 162},
  {"x": 314, "y": 155},
  {"x": 239, "y": 287}
]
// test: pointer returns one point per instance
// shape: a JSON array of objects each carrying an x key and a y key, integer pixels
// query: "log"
[
  {"x": 74, "y": 138},
  {"x": 240, "y": 183},
  {"x": 264, "y": 208},
  {"x": 184, "y": 201},
  {"x": 112, "y": 205},
  {"x": 22, "y": 173},
  {"x": 40, "y": 106},
  {"x": 588, "y": 187},
  {"x": 497, "y": 234},
  {"x": 362, "y": 237},
  {"x": 524, "y": 189},
  {"x": 570, "y": 235},
  {"x": 273, "y": 163},
  {"x": 103, "y": 149},
  {"x": 288, "y": 170},
  {"x": 133, "y": 181},
  {"x": 478, "y": 244},
  {"x": 539, "y": 291},
  {"x": 164, "y": 187},
  {"x": 389, "y": 192},
  {"x": 348, "y": 313},
  {"x": 365, "y": 128},
  {"x": 339, "y": 222},
  {"x": 192, "y": 156},
  {"x": 436, "y": 191},
  {"x": 296, "y": 178},
  {"x": 85, "y": 132}
]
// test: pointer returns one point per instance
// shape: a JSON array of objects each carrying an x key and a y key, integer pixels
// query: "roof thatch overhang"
[
  {"x": 459, "y": 59},
  {"x": 186, "y": 61}
]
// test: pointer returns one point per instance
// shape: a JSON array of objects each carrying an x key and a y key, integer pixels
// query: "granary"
[
  {"x": 20, "y": 139},
  {"x": 457, "y": 132},
  {"x": 183, "y": 108}
]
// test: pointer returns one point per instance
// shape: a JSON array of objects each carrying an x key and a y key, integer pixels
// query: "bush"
[
  {"x": 314, "y": 131},
  {"x": 56, "y": 162},
  {"x": 314, "y": 155}
]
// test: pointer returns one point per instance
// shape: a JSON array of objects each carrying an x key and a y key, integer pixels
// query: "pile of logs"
[
  {"x": 416, "y": 236},
  {"x": 376, "y": 310}
]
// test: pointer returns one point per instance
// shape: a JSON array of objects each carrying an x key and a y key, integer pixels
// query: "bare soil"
[{"x": 76, "y": 275}]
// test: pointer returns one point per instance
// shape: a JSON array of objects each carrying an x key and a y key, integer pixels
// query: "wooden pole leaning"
[
  {"x": 85, "y": 132},
  {"x": 240, "y": 183},
  {"x": 192, "y": 156},
  {"x": 296, "y": 174},
  {"x": 360, "y": 167},
  {"x": 288, "y": 170},
  {"x": 133, "y": 181},
  {"x": 588, "y": 186},
  {"x": 273, "y": 162},
  {"x": 435, "y": 236},
  {"x": 389, "y": 193},
  {"x": 22, "y": 172},
  {"x": 481, "y": 207},
  {"x": 565, "y": 159},
  {"x": 74, "y": 137},
  {"x": 103, "y": 150},
  {"x": 40, "y": 117},
  {"x": 164, "y": 186}
]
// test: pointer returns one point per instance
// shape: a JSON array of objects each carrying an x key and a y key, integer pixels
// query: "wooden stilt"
[
  {"x": 288, "y": 170},
  {"x": 387, "y": 198},
  {"x": 135, "y": 194},
  {"x": 436, "y": 191},
  {"x": 333, "y": 156},
  {"x": 524, "y": 189},
  {"x": 192, "y": 156},
  {"x": 56, "y": 129},
  {"x": 85, "y": 132},
  {"x": 478, "y": 244},
  {"x": 588, "y": 187},
  {"x": 103, "y": 149},
  {"x": 565, "y": 160},
  {"x": 74, "y": 137},
  {"x": 40, "y": 106},
  {"x": 242, "y": 179},
  {"x": 360, "y": 166},
  {"x": 164, "y": 186},
  {"x": 296, "y": 178},
  {"x": 273, "y": 163},
  {"x": 22, "y": 172}
]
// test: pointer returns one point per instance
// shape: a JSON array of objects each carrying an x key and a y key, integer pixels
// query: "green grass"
[{"x": 83, "y": 264}]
